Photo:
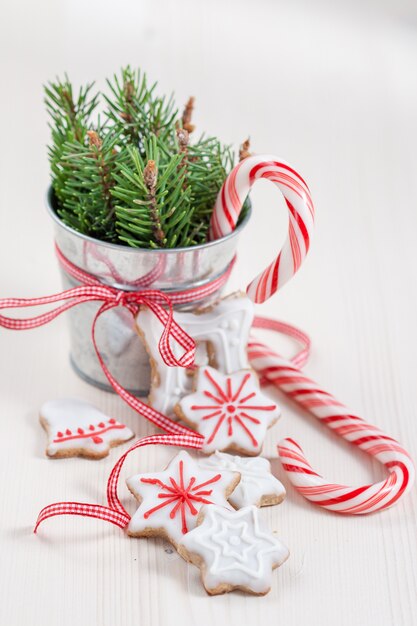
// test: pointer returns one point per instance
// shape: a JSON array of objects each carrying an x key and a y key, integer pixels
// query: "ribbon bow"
[
  {"x": 158, "y": 302},
  {"x": 110, "y": 298}
]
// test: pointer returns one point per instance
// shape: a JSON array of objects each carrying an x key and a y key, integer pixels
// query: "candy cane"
[
  {"x": 367, "y": 499},
  {"x": 301, "y": 217}
]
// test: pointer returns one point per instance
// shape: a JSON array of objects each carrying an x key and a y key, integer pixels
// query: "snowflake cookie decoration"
[
  {"x": 233, "y": 550},
  {"x": 257, "y": 484},
  {"x": 229, "y": 410},
  {"x": 77, "y": 428},
  {"x": 171, "y": 500}
]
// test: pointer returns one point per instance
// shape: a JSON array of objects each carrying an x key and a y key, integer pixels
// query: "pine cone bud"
[
  {"x": 187, "y": 115},
  {"x": 183, "y": 138},
  {"x": 150, "y": 174},
  {"x": 129, "y": 90},
  {"x": 244, "y": 150},
  {"x": 94, "y": 139}
]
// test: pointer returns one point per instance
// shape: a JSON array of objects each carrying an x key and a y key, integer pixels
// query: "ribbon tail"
[
  {"x": 84, "y": 510},
  {"x": 115, "y": 513},
  {"x": 74, "y": 296},
  {"x": 157, "y": 418}
]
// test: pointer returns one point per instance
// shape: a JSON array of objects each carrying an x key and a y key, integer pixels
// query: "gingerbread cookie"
[
  {"x": 221, "y": 333},
  {"x": 230, "y": 411},
  {"x": 170, "y": 500},
  {"x": 233, "y": 550},
  {"x": 77, "y": 428},
  {"x": 257, "y": 484}
]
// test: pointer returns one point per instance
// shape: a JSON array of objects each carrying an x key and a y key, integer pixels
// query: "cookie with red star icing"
[
  {"x": 229, "y": 410},
  {"x": 171, "y": 500},
  {"x": 221, "y": 332},
  {"x": 77, "y": 428}
]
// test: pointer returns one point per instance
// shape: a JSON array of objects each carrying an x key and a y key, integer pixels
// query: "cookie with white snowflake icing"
[
  {"x": 77, "y": 428},
  {"x": 257, "y": 484},
  {"x": 221, "y": 334},
  {"x": 233, "y": 550},
  {"x": 171, "y": 500},
  {"x": 229, "y": 410}
]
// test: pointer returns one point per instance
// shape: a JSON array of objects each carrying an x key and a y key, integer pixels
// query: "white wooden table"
[{"x": 332, "y": 88}]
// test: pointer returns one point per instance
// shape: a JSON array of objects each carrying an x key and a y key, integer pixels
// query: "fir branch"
[
  {"x": 183, "y": 139},
  {"x": 208, "y": 164},
  {"x": 135, "y": 111},
  {"x": 153, "y": 208},
  {"x": 104, "y": 158},
  {"x": 137, "y": 179},
  {"x": 150, "y": 176},
  {"x": 70, "y": 119},
  {"x": 86, "y": 196}
]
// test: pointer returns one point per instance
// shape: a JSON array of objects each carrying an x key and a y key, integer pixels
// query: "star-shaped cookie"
[
  {"x": 171, "y": 500},
  {"x": 233, "y": 550},
  {"x": 257, "y": 484},
  {"x": 229, "y": 410}
]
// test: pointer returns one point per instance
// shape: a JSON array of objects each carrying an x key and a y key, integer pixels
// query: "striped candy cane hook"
[
  {"x": 289, "y": 379},
  {"x": 301, "y": 217},
  {"x": 285, "y": 374}
]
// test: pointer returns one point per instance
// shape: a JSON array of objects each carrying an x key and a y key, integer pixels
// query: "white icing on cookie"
[
  {"x": 229, "y": 410},
  {"x": 225, "y": 329},
  {"x": 77, "y": 428},
  {"x": 170, "y": 500},
  {"x": 234, "y": 550},
  {"x": 257, "y": 484}
]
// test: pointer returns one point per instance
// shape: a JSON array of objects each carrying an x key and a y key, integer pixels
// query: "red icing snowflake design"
[
  {"x": 180, "y": 495},
  {"x": 229, "y": 410},
  {"x": 171, "y": 500}
]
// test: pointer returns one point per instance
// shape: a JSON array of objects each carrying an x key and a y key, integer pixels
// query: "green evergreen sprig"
[
  {"x": 153, "y": 206},
  {"x": 136, "y": 178},
  {"x": 136, "y": 112},
  {"x": 70, "y": 119}
]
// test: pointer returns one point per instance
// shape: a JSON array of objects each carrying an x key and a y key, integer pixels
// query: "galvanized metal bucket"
[{"x": 130, "y": 269}]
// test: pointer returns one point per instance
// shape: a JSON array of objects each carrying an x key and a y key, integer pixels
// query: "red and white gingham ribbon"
[
  {"x": 115, "y": 511},
  {"x": 186, "y": 296},
  {"x": 90, "y": 249},
  {"x": 287, "y": 377},
  {"x": 159, "y": 303},
  {"x": 93, "y": 290},
  {"x": 300, "y": 210}
]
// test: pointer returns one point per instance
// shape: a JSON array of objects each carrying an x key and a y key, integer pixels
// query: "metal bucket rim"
[{"x": 130, "y": 249}]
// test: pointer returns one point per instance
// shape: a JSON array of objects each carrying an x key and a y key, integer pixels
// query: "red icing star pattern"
[
  {"x": 181, "y": 496},
  {"x": 229, "y": 410}
]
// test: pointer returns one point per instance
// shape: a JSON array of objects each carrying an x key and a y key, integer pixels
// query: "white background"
[{"x": 332, "y": 88}]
